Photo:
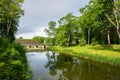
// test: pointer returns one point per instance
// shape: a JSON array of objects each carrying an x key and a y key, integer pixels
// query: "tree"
[
  {"x": 116, "y": 19},
  {"x": 21, "y": 37},
  {"x": 88, "y": 21},
  {"x": 94, "y": 20},
  {"x": 10, "y": 12},
  {"x": 51, "y": 30},
  {"x": 40, "y": 39},
  {"x": 61, "y": 37},
  {"x": 13, "y": 57},
  {"x": 66, "y": 29}
]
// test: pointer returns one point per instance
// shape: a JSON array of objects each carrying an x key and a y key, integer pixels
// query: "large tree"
[
  {"x": 67, "y": 29},
  {"x": 115, "y": 20},
  {"x": 51, "y": 31},
  {"x": 95, "y": 22},
  {"x": 10, "y": 12}
]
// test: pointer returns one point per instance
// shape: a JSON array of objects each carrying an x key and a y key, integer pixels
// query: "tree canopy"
[
  {"x": 10, "y": 12},
  {"x": 98, "y": 24}
]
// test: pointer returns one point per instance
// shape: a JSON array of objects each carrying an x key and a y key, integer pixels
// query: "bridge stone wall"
[{"x": 31, "y": 44}]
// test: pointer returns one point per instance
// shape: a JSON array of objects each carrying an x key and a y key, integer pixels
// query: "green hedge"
[{"x": 13, "y": 62}]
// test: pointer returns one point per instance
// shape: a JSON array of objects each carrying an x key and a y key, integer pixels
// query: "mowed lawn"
[{"x": 105, "y": 54}]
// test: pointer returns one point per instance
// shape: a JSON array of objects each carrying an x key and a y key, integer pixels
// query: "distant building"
[{"x": 31, "y": 44}]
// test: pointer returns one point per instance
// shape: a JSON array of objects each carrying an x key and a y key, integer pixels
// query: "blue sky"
[{"x": 38, "y": 13}]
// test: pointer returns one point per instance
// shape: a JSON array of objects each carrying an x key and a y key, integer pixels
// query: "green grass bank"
[{"x": 105, "y": 54}]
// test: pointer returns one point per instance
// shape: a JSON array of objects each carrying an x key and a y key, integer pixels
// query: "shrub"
[
  {"x": 13, "y": 62},
  {"x": 82, "y": 42},
  {"x": 94, "y": 42}
]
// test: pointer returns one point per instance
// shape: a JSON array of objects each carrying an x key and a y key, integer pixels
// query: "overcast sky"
[{"x": 38, "y": 13}]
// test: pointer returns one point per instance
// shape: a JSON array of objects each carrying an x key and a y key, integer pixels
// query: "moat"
[{"x": 50, "y": 65}]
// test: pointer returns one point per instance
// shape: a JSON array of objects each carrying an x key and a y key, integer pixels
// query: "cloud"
[
  {"x": 38, "y": 31},
  {"x": 39, "y": 12}
]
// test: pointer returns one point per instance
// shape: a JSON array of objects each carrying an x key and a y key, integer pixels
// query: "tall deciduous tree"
[
  {"x": 116, "y": 20},
  {"x": 94, "y": 25},
  {"x": 51, "y": 31},
  {"x": 10, "y": 12},
  {"x": 67, "y": 28},
  {"x": 94, "y": 17}
]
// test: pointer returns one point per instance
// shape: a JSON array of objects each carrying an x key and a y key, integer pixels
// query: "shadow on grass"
[{"x": 115, "y": 48}]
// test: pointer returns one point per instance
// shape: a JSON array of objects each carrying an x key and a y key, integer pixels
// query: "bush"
[
  {"x": 94, "y": 42},
  {"x": 13, "y": 62},
  {"x": 82, "y": 42}
]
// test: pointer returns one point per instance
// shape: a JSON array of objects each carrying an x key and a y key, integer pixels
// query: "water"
[{"x": 51, "y": 65}]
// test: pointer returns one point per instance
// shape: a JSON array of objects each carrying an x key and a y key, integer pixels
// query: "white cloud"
[
  {"x": 38, "y": 31},
  {"x": 39, "y": 12}
]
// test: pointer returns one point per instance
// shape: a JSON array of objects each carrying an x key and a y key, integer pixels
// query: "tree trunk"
[
  {"x": 89, "y": 36},
  {"x": 68, "y": 43},
  {"x": 8, "y": 28},
  {"x": 108, "y": 37},
  {"x": 118, "y": 32},
  {"x": 116, "y": 23}
]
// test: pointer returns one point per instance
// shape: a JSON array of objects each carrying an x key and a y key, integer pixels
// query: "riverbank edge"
[{"x": 88, "y": 56}]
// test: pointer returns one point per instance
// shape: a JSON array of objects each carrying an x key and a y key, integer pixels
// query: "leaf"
[
  {"x": 2, "y": 64},
  {"x": 17, "y": 62}
]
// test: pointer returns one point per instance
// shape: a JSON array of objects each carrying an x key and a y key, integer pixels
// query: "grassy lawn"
[{"x": 104, "y": 54}]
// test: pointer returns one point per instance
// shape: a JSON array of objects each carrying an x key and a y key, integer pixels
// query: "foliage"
[
  {"x": 98, "y": 24},
  {"x": 114, "y": 20},
  {"x": 51, "y": 31},
  {"x": 49, "y": 41},
  {"x": 94, "y": 42},
  {"x": 61, "y": 39},
  {"x": 40, "y": 39},
  {"x": 10, "y": 12},
  {"x": 70, "y": 68},
  {"x": 94, "y": 22},
  {"x": 101, "y": 53},
  {"x": 68, "y": 30},
  {"x": 82, "y": 42},
  {"x": 13, "y": 61}
]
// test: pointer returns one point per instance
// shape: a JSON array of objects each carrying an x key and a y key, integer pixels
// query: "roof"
[{"x": 28, "y": 42}]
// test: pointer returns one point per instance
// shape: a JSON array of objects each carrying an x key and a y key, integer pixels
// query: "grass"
[{"x": 101, "y": 53}]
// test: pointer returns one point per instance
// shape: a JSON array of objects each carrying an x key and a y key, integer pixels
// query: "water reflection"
[
  {"x": 64, "y": 67},
  {"x": 51, "y": 64}
]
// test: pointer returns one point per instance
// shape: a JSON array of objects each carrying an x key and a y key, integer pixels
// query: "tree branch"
[
  {"x": 116, "y": 18},
  {"x": 110, "y": 20}
]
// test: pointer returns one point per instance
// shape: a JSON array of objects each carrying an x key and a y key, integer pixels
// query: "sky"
[{"x": 38, "y": 13}]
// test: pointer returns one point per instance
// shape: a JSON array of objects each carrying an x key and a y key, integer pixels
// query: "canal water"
[{"x": 51, "y": 65}]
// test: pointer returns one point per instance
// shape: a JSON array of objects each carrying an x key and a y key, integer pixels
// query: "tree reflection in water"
[
  {"x": 72, "y": 68},
  {"x": 51, "y": 64}
]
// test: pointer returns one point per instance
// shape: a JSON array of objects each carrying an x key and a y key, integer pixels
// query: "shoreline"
[
  {"x": 103, "y": 56},
  {"x": 30, "y": 50}
]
